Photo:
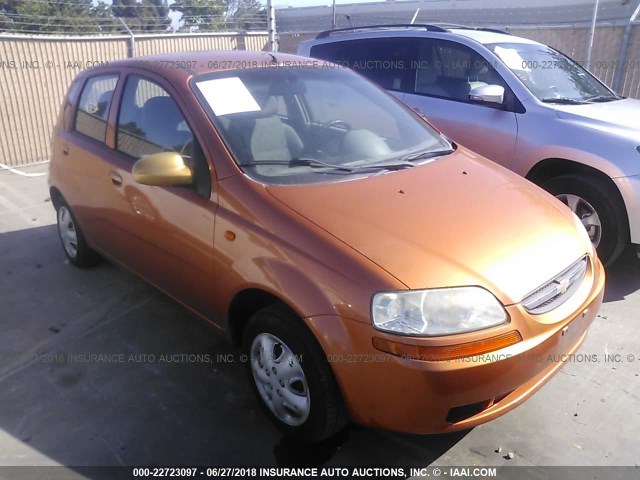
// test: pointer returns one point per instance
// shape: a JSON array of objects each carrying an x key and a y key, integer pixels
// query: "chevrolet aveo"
[{"x": 370, "y": 269}]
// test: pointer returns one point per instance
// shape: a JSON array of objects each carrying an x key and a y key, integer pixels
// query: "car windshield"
[
  {"x": 550, "y": 75},
  {"x": 291, "y": 125}
]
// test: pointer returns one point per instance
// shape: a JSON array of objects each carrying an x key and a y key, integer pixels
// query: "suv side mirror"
[
  {"x": 162, "y": 169},
  {"x": 487, "y": 94}
]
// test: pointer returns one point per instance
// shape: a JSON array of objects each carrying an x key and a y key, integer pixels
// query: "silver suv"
[{"x": 515, "y": 101}]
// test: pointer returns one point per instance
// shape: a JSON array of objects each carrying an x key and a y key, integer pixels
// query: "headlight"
[{"x": 442, "y": 311}]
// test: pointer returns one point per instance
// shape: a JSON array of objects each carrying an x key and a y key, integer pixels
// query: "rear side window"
[
  {"x": 93, "y": 108},
  {"x": 385, "y": 61}
]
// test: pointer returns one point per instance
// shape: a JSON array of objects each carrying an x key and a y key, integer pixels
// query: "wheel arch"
[
  {"x": 245, "y": 304},
  {"x": 554, "y": 167},
  {"x": 56, "y": 197}
]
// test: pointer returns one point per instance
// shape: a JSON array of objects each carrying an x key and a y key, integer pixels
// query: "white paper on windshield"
[
  {"x": 228, "y": 95},
  {"x": 511, "y": 58}
]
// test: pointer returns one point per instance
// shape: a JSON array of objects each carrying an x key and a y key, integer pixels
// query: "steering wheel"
[
  {"x": 323, "y": 138},
  {"x": 335, "y": 123}
]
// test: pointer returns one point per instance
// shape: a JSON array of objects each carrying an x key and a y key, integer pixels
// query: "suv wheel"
[
  {"x": 73, "y": 242},
  {"x": 291, "y": 377},
  {"x": 597, "y": 203}
]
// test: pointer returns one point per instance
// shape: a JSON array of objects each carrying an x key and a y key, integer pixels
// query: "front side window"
[
  {"x": 451, "y": 70},
  {"x": 150, "y": 121},
  {"x": 551, "y": 76},
  {"x": 290, "y": 125},
  {"x": 93, "y": 108}
]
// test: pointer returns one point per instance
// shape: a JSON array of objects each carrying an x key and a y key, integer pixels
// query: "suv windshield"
[
  {"x": 288, "y": 125},
  {"x": 550, "y": 75}
]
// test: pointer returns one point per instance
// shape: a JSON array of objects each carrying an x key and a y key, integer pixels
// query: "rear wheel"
[
  {"x": 291, "y": 377},
  {"x": 598, "y": 205},
  {"x": 73, "y": 242}
]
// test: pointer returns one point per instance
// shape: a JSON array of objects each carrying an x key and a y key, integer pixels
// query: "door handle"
[
  {"x": 116, "y": 179},
  {"x": 65, "y": 149}
]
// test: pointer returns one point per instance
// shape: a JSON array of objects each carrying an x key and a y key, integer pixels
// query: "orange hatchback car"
[{"x": 371, "y": 269}]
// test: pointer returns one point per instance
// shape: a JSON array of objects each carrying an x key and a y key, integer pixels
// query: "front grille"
[{"x": 557, "y": 291}]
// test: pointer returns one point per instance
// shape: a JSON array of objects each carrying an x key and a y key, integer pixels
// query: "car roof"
[
  {"x": 487, "y": 37},
  {"x": 481, "y": 35},
  {"x": 180, "y": 65}
]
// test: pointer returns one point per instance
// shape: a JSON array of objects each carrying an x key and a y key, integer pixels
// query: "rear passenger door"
[
  {"x": 443, "y": 74},
  {"x": 83, "y": 146}
]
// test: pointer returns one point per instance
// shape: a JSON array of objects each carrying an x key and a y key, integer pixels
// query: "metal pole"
[
  {"x": 592, "y": 34},
  {"x": 622, "y": 58},
  {"x": 131, "y": 48},
  {"x": 271, "y": 26},
  {"x": 333, "y": 11}
]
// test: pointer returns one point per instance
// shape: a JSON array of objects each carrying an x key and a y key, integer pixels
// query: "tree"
[
  {"x": 144, "y": 15},
  {"x": 247, "y": 14},
  {"x": 35, "y": 16},
  {"x": 200, "y": 14}
]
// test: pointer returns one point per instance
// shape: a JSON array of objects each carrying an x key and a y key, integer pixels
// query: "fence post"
[
  {"x": 271, "y": 26},
  {"x": 131, "y": 44},
  {"x": 592, "y": 33},
  {"x": 622, "y": 58}
]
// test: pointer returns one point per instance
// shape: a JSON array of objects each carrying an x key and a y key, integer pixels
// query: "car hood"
[
  {"x": 459, "y": 220},
  {"x": 620, "y": 116}
]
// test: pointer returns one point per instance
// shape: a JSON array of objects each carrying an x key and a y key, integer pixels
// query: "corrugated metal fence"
[{"x": 35, "y": 72}]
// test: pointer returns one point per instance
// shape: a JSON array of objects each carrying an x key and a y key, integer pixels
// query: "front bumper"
[{"x": 394, "y": 393}]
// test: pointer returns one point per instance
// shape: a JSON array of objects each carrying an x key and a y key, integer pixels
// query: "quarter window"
[{"x": 93, "y": 109}]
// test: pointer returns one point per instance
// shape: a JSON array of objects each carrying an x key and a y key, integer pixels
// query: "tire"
[
  {"x": 303, "y": 400},
  {"x": 599, "y": 195},
  {"x": 73, "y": 242}
]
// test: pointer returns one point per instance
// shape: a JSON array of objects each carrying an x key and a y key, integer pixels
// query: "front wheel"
[
  {"x": 291, "y": 377},
  {"x": 598, "y": 205}
]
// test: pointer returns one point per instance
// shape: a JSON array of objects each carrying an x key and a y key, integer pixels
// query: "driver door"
[{"x": 166, "y": 232}]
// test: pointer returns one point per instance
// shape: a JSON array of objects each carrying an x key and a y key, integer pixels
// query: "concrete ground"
[{"x": 58, "y": 406}]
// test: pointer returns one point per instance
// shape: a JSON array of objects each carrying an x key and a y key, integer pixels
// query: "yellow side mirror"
[{"x": 162, "y": 169}]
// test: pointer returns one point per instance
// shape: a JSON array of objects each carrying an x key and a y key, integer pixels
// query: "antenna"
[
  {"x": 415, "y": 15},
  {"x": 634, "y": 17}
]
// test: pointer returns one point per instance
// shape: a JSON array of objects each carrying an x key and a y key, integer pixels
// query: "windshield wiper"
[
  {"x": 424, "y": 155},
  {"x": 604, "y": 98},
  {"x": 563, "y": 100},
  {"x": 296, "y": 162},
  {"x": 312, "y": 162}
]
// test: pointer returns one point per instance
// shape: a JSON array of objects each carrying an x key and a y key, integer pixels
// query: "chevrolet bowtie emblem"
[{"x": 562, "y": 287}]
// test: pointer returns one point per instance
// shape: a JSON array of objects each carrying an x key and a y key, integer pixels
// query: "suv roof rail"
[
  {"x": 432, "y": 28},
  {"x": 466, "y": 27}
]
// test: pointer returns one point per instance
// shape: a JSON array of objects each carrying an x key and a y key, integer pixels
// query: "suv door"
[
  {"x": 444, "y": 72},
  {"x": 166, "y": 232}
]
